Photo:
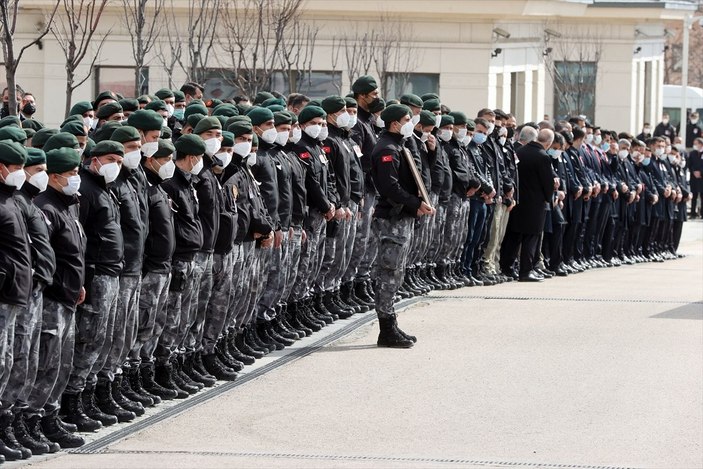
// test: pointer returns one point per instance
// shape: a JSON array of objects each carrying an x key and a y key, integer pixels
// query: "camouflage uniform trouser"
[
  {"x": 55, "y": 363},
  {"x": 311, "y": 255},
  {"x": 333, "y": 246},
  {"x": 433, "y": 253},
  {"x": 8, "y": 313},
  {"x": 344, "y": 249},
  {"x": 26, "y": 352},
  {"x": 295, "y": 245},
  {"x": 177, "y": 310},
  {"x": 462, "y": 230},
  {"x": 357, "y": 247},
  {"x": 421, "y": 240},
  {"x": 120, "y": 342},
  {"x": 393, "y": 237},
  {"x": 274, "y": 279},
  {"x": 95, "y": 320},
  {"x": 347, "y": 273},
  {"x": 452, "y": 229},
  {"x": 234, "y": 288},
  {"x": 198, "y": 306},
  {"x": 245, "y": 284},
  {"x": 491, "y": 256},
  {"x": 216, "y": 315},
  {"x": 368, "y": 256},
  {"x": 152, "y": 316},
  {"x": 262, "y": 258}
]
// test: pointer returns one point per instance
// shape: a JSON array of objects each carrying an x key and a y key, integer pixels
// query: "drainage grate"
[
  {"x": 584, "y": 300},
  {"x": 329, "y": 457}
]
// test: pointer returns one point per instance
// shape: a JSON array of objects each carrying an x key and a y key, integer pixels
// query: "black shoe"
[
  {"x": 188, "y": 376},
  {"x": 261, "y": 339},
  {"x": 146, "y": 373},
  {"x": 362, "y": 294},
  {"x": 215, "y": 368},
  {"x": 25, "y": 439},
  {"x": 50, "y": 428},
  {"x": 332, "y": 303},
  {"x": 296, "y": 321},
  {"x": 258, "y": 350},
  {"x": 69, "y": 427},
  {"x": 264, "y": 332},
  {"x": 182, "y": 379},
  {"x": 390, "y": 336},
  {"x": 348, "y": 308},
  {"x": 561, "y": 271},
  {"x": 134, "y": 378},
  {"x": 244, "y": 348},
  {"x": 282, "y": 328},
  {"x": 7, "y": 436},
  {"x": 33, "y": 425},
  {"x": 133, "y": 406},
  {"x": 72, "y": 408},
  {"x": 545, "y": 273},
  {"x": 106, "y": 402},
  {"x": 222, "y": 352},
  {"x": 163, "y": 376},
  {"x": 531, "y": 277}
]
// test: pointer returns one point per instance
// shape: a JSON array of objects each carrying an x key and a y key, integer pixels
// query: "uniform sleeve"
[
  {"x": 387, "y": 166},
  {"x": 316, "y": 196},
  {"x": 264, "y": 172}
]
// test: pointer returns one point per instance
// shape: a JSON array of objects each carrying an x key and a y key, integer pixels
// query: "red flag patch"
[
  {"x": 305, "y": 155},
  {"x": 327, "y": 150},
  {"x": 387, "y": 159}
]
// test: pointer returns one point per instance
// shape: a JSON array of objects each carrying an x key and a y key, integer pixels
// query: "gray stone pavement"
[{"x": 601, "y": 369}]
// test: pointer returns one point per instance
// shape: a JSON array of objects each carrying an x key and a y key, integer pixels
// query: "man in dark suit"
[{"x": 526, "y": 221}]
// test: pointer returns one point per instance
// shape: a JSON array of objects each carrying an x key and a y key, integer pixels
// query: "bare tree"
[
  {"x": 8, "y": 24},
  {"x": 253, "y": 37},
  {"x": 74, "y": 30},
  {"x": 170, "y": 53},
  {"x": 296, "y": 52},
  {"x": 394, "y": 55},
  {"x": 144, "y": 25},
  {"x": 203, "y": 19},
  {"x": 359, "y": 50}
]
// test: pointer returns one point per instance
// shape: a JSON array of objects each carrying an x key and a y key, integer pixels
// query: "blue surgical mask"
[
  {"x": 605, "y": 146},
  {"x": 479, "y": 138},
  {"x": 646, "y": 161},
  {"x": 552, "y": 152},
  {"x": 179, "y": 114}
]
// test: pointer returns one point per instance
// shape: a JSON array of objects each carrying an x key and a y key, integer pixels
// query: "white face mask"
[
  {"x": 460, "y": 134},
  {"x": 425, "y": 136},
  {"x": 491, "y": 128},
  {"x": 242, "y": 148},
  {"x": 282, "y": 138},
  {"x": 416, "y": 119},
  {"x": 295, "y": 135},
  {"x": 647, "y": 130},
  {"x": 197, "y": 168},
  {"x": 407, "y": 129},
  {"x": 352, "y": 121},
  {"x": 445, "y": 135},
  {"x": 269, "y": 135},
  {"x": 589, "y": 138},
  {"x": 131, "y": 160},
  {"x": 225, "y": 158},
  {"x": 343, "y": 120},
  {"x": 165, "y": 122},
  {"x": 313, "y": 131},
  {"x": 502, "y": 141},
  {"x": 212, "y": 145},
  {"x": 672, "y": 158},
  {"x": 170, "y": 109},
  {"x": 251, "y": 159},
  {"x": 324, "y": 133},
  {"x": 659, "y": 152},
  {"x": 80, "y": 151},
  {"x": 379, "y": 122},
  {"x": 39, "y": 180},
  {"x": 597, "y": 140},
  {"x": 467, "y": 140},
  {"x": 89, "y": 122},
  {"x": 167, "y": 169},
  {"x": 109, "y": 171},
  {"x": 74, "y": 183},
  {"x": 437, "y": 120},
  {"x": 622, "y": 154},
  {"x": 150, "y": 148}
]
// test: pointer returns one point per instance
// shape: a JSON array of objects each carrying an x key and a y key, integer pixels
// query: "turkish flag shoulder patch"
[
  {"x": 305, "y": 155},
  {"x": 327, "y": 149},
  {"x": 387, "y": 159}
]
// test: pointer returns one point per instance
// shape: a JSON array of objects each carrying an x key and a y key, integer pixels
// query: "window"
[
  {"x": 219, "y": 83},
  {"x": 416, "y": 83},
  {"x": 121, "y": 80},
  {"x": 574, "y": 89}
]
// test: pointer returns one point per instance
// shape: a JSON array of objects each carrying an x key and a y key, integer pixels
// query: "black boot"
[
  {"x": 234, "y": 350},
  {"x": 389, "y": 335},
  {"x": 146, "y": 372},
  {"x": 184, "y": 377},
  {"x": 69, "y": 427},
  {"x": 344, "y": 311},
  {"x": 72, "y": 408},
  {"x": 215, "y": 368},
  {"x": 272, "y": 330},
  {"x": 283, "y": 328},
  {"x": 307, "y": 316},
  {"x": 222, "y": 351},
  {"x": 106, "y": 402},
  {"x": 346, "y": 293},
  {"x": 131, "y": 394},
  {"x": 163, "y": 376},
  {"x": 361, "y": 293},
  {"x": 49, "y": 430},
  {"x": 253, "y": 342},
  {"x": 200, "y": 368},
  {"x": 134, "y": 376},
  {"x": 10, "y": 446},
  {"x": 262, "y": 330},
  {"x": 122, "y": 401},
  {"x": 243, "y": 346},
  {"x": 321, "y": 312},
  {"x": 24, "y": 438}
]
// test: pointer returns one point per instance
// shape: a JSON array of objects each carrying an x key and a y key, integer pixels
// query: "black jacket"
[
  {"x": 252, "y": 216},
  {"x": 364, "y": 135},
  {"x": 284, "y": 177},
  {"x": 265, "y": 173},
  {"x": 356, "y": 173},
  {"x": 209, "y": 194},
  {"x": 133, "y": 228},
  {"x": 16, "y": 258},
  {"x": 43, "y": 258},
  {"x": 392, "y": 176},
  {"x": 299, "y": 193},
  {"x": 427, "y": 157},
  {"x": 68, "y": 240},
  {"x": 463, "y": 177},
  {"x": 442, "y": 174},
  {"x": 665, "y": 130},
  {"x": 536, "y": 189},
  {"x": 161, "y": 240},
  {"x": 227, "y": 233},
  {"x": 100, "y": 217},
  {"x": 189, "y": 232},
  {"x": 478, "y": 157},
  {"x": 339, "y": 155},
  {"x": 315, "y": 163}
]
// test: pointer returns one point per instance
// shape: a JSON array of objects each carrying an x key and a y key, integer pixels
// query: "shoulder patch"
[
  {"x": 327, "y": 149},
  {"x": 304, "y": 155},
  {"x": 387, "y": 159}
]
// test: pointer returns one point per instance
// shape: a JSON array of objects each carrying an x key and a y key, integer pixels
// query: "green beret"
[
  {"x": 10, "y": 120},
  {"x": 332, "y": 104},
  {"x": 446, "y": 120},
  {"x": 107, "y": 110},
  {"x": 179, "y": 96},
  {"x": 377, "y": 106},
  {"x": 61, "y": 160},
  {"x": 275, "y": 108},
  {"x": 207, "y": 123},
  {"x": 240, "y": 128},
  {"x": 310, "y": 112},
  {"x": 364, "y": 85},
  {"x": 61, "y": 140},
  {"x": 213, "y": 103},
  {"x": 126, "y": 133},
  {"x": 13, "y": 133},
  {"x": 225, "y": 109},
  {"x": 194, "y": 102},
  {"x": 76, "y": 128},
  {"x": 103, "y": 96},
  {"x": 395, "y": 112},
  {"x": 272, "y": 101},
  {"x": 427, "y": 118},
  {"x": 234, "y": 119},
  {"x": 432, "y": 105},
  {"x": 262, "y": 96},
  {"x": 254, "y": 140},
  {"x": 80, "y": 108},
  {"x": 164, "y": 93},
  {"x": 12, "y": 152},
  {"x": 29, "y": 133},
  {"x": 166, "y": 133},
  {"x": 194, "y": 109},
  {"x": 259, "y": 115},
  {"x": 35, "y": 156},
  {"x": 190, "y": 144},
  {"x": 227, "y": 139},
  {"x": 392, "y": 101},
  {"x": 193, "y": 119},
  {"x": 293, "y": 117},
  {"x": 104, "y": 132},
  {"x": 281, "y": 117},
  {"x": 222, "y": 119},
  {"x": 314, "y": 102},
  {"x": 157, "y": 105},
  {"x": 129, "y": 104},
  {"x": 166, "y": 148},
  {"x": 459, "y": 117},
  {"x": 470, "y": 125},
  {"x": 428, "y": 96},
  {"x": 32, "y": 124},
  {"x": 42, "y": 136},
  {"x": 242, "y": 108},
  {"x": 350, "y": 102},
  {"x": 411, "y": 100},
  {"x": 144, "y": 99},
  {"x": 145, "y": 119},
  {"x": 107, "y": 147},
  {"x": 119, "y": 95},
  {"x": 72, "y": 118}
]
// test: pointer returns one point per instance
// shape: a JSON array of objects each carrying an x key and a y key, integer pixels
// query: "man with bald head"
[{"x": 526, "y": 221}]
